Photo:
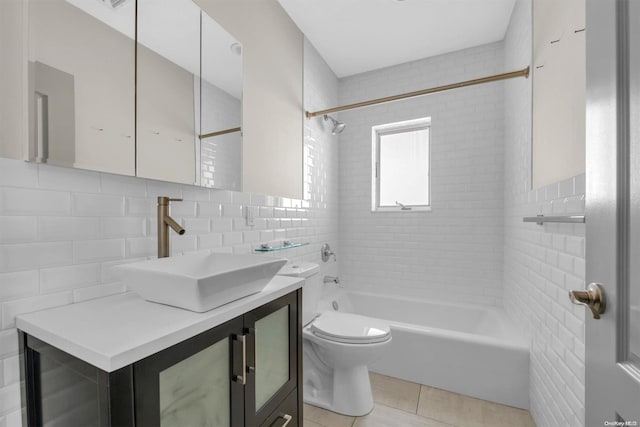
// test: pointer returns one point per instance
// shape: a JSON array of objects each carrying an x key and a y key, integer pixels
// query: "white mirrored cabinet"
[
  {"x": 143, "y": 88},
  {"x": 81, "y": 74},
  {"x": 168, "y": 69}
]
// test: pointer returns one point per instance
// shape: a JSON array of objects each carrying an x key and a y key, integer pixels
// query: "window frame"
[{"x": 390, "y": 129}]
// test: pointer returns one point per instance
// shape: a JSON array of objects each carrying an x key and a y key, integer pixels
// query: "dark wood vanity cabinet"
[{"x": 245, "y": 372}]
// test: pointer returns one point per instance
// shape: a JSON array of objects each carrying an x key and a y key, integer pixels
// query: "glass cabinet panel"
[
  {"x": 69, "y": 396},
  {"x": 61, "y": 390},
  {"x": 195, "y": 391},
  {"x": 272, "y": 354}
]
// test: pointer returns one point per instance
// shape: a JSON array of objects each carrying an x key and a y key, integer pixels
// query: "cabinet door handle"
[
  {"x": 39, "y": 151},
  {"x": 282, "y": 417},
  {"x": 249, "y": 366},
  {"x": 242, "y": 378}
]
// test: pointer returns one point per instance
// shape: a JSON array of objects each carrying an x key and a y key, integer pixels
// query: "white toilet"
[{"x": 338, "y": 347}]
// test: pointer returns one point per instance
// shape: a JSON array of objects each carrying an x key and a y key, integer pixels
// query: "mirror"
[
  {"x": 559, "y": 91},
  {"x": 81, "y": 89},
  {"x": 220, "y": 109},
  {"x": 168, "y": 72},
  {"x": 272, "y": 104},
  {"x": 189, "y": 91},
  {"x": 98, "y": 102}
]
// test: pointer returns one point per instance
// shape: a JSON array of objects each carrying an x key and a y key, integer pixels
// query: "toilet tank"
[{"x": 312, "y": 288}]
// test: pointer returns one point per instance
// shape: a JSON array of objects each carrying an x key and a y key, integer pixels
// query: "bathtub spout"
[{"x": 331, "y": 279}]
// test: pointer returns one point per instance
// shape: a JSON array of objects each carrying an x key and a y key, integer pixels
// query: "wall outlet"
[{"x": 250, "y": 213}]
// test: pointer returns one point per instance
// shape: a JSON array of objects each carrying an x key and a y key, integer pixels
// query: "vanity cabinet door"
[
  {"x": 285, "y": 414},
  {"x": 62, "y": 390},
  {"x": 192, "y": 383},
  {"x": 272, "y": 358}
]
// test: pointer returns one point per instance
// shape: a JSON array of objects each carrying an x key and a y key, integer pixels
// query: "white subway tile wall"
[
  {"x": 454, "y": 252},
  {"x": 61, "y": 230},
  {"x": 541, "y": 263}
]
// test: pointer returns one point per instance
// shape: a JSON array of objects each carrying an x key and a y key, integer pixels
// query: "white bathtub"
[{"x": 466, "y": 349}]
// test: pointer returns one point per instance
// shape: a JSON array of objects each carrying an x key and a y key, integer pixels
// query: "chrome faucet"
[
  {"x": 331, "y": 279},
  {"x": 164, "y": 222},
  {"x": 326, "y": 253}
]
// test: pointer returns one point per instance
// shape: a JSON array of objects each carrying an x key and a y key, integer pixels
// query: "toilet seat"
[{"x": 350, "y": 328}]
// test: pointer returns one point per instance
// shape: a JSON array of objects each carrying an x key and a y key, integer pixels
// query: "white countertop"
[{"x": 116, "y": 331}]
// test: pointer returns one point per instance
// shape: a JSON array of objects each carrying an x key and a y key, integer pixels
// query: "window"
[{"x": 401, "y": 154}]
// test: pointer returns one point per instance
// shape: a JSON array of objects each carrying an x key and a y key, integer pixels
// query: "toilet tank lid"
[{"x": 299, "y": 269}]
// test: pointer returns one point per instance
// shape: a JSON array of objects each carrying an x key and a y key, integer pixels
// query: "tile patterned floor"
[{"x": 400, "y": 403}]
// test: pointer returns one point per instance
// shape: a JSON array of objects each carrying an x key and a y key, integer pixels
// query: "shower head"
[{"x": 338, "y": 127}]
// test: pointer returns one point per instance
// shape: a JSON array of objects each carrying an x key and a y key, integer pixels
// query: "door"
[
  {"x": 272, "y": 358},
  {"x": 193, "y": 383},
  {"x": 613, "y": 211}
]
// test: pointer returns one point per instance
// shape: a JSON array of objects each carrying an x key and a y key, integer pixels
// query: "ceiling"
[{"x": 355, "y": 36}]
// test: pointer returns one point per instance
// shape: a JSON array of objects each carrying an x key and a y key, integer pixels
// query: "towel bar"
[{"x": 541, "y": 219}]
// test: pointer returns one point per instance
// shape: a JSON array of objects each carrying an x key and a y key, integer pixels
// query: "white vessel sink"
[{"x": 199, "y": 282}]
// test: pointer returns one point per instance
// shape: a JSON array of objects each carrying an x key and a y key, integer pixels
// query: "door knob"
[{"x": 593, "y": 298}]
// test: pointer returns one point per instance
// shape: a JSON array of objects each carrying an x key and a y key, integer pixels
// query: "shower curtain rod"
[
  {"x": 520, "y": 73},
  {"x": 220, "y": 132}
]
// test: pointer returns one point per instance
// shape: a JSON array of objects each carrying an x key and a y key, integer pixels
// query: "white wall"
[
  {"x": 13, "y": 78},
  {"x": 542, "y": 263},
  {"x": 62, "y": 229},
  {"x": 454, "y": 252},
  {"x": 321, "y": 148}
]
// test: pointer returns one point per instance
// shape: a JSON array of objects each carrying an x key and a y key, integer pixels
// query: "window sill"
[{"x": 400, "y": 210}]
